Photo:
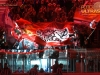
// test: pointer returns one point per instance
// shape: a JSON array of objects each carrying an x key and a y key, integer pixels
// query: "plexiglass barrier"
[{"x": 74, "y": 60}]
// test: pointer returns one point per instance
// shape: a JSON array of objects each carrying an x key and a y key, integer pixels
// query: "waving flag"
[{"x": 50, "y": 33}]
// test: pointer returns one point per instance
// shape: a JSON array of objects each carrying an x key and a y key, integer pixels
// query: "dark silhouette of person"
[
  {"x": 1, "y": 68},
  {"x": 6, "y": 70},
  {"x": 59, "y": 69},
  {"x": 34, "y": 70},
  {"x": 41, "y": 70},
  {"x": 19, "y": 70},
  {"x": 54, "y": 67}
]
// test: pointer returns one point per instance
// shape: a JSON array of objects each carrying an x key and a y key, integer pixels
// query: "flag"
[{"x": 92, "y": 24}]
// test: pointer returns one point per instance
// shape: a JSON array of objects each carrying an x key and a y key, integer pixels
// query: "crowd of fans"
[
  {"x": 44, "y": 10},
  {"x": 57, "y": 69}
]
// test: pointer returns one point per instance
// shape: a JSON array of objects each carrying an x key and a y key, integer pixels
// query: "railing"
[
  {"x": 74, "y": 60},
  {"x": 97, "y": 73}
]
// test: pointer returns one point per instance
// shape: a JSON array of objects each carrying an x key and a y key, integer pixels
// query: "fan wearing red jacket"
[
  {"x": 6, "y": 70},
  {"x": 59, "y": 69},
  {"x": 34, "y": 70}
]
